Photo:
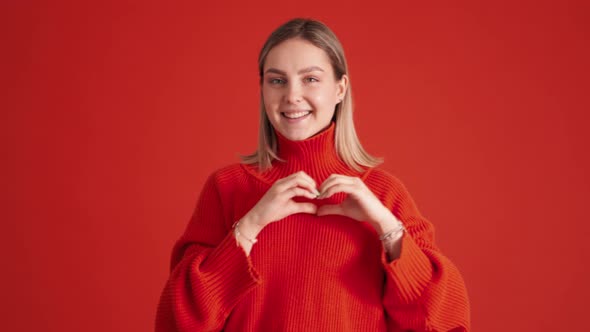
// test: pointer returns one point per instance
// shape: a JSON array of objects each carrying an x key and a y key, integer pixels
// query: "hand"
[
  {"x": 360, "y": 202},
  {"x": 277, "y": 203}
]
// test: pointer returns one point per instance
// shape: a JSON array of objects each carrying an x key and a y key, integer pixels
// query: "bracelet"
[
  {"x": 392, "y": 232},
  {"x": 237, "y": 233}
]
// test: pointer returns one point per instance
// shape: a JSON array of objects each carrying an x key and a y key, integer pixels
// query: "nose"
[{"x": 293, "y": 93}]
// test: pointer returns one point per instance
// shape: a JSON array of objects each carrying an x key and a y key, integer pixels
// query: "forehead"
[{"x": 295, "y": 54}]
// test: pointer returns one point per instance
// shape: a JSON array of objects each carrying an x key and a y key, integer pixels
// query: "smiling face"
[{"x": 299, "y": 89}]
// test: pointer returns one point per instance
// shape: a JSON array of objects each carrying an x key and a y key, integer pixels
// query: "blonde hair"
[{"x": 348, "y": 146}]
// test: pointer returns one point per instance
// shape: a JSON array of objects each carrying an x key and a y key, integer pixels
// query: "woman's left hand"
[{"x": 360, "y": 203}]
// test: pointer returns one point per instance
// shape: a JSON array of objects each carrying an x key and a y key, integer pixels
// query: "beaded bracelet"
[
  {"x": 237, "y": 233},
  {"x": 392, "y": 232}
]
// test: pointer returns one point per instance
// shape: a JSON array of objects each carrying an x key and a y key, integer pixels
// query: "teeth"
[{"x": 296, "y": 115}]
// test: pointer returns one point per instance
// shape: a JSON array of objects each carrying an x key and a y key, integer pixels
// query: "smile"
[{"x": 295, "y": 115}]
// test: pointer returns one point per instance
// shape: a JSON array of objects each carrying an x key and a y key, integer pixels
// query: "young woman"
[{"x": 307, "y": 234}]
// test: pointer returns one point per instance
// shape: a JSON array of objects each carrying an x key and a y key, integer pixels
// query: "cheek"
[
  {"x": 324, "y": 98},
  {"x": 270, "y": 97}
]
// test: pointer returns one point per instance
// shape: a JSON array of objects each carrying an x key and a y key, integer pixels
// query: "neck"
[{"x": 316, "y": 156}]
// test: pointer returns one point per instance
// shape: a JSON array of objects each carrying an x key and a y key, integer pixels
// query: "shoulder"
[
  {"x": 227, "y": 175},
  {"x": 228, "y": 172},
  {"x": 378, "y": 178},
  {"x": 225, "y": 183},
  {"x": 387, "y": 187}
]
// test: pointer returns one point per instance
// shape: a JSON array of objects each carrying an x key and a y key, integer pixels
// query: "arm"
[
  {"x": 424, "y": 290},
  {"x": 209, "y": 272}
]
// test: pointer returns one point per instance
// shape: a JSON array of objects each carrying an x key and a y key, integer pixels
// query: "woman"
[{"x": 307, "y": 234}]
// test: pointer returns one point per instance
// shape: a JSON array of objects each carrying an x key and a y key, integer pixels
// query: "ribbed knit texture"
[{"x": 307, "y": 273}]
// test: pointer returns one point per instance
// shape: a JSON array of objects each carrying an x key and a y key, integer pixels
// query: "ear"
[{"x": 342, "y": 86}]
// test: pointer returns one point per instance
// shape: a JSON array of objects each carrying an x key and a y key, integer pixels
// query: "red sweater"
[{"x": 307, "y": 273}]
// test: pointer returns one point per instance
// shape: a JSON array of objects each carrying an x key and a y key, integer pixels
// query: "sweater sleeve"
[
  {"x": 209, "y": 272},
  {"x": 424, "y": 290}
]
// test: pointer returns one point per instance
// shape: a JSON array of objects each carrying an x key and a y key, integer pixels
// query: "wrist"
[
  {"x": 249, "y": 226},
  {"x": 387, "y": 223},
  {"x": 393, "y": 236},
  {"x": 242, "y": 241}
]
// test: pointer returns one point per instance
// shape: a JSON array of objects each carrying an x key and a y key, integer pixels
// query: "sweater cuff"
[
  {"x": 231, "y": 272},
  {"x": 410, "y": 273}
]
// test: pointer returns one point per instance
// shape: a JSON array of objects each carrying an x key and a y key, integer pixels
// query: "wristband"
[
  {"x": 237, "y": 233},
  {"x": 392, "y": 232}
]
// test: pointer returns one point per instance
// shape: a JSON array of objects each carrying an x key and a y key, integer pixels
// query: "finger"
[
  {"x": 307, "y": 177},
  {"x": 305, "y": 183},
  {"x": 333, "y": 179},
  {"x": 298, "y": 181},
  {"x": 292, "y": 176},
  {"x": 310, "y": 180},
  {"x": 328, "y": 180},
  {"x": 296, "y": 191},
  {"x": 305, "y": 208},
  {"x": 337, "y": 188},
  {"x": 300, "y": 174},
  {"x": 329, "y": 209}
]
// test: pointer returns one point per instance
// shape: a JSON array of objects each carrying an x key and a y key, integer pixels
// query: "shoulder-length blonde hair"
[{"x": 348, "y": 146}]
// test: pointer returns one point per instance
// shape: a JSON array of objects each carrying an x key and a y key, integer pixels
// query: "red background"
[{"x": 115, "y": 113}]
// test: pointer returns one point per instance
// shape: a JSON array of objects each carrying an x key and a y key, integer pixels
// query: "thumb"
[
  {"x": 306, "y": 208},
  {"x": 329, "y": 209}
]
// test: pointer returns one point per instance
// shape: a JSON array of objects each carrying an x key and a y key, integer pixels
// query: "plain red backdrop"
[{"x": 115, "y": 113}]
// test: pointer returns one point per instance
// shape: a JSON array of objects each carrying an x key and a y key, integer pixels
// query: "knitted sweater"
[{"x": 307, "y": 273}]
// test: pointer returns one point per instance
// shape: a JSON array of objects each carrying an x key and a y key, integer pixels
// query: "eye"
[
  {"x": 276, "y": 81},
  {"x": 311, "y": 79}
]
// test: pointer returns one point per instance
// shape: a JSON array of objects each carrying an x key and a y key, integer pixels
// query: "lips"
[{"x": 295, "y": 114}]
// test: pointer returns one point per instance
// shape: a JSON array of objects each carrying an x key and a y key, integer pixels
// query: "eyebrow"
[{"x": 302, "y": 71}]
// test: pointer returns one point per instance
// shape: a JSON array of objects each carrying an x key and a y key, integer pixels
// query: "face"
[{"x": 299, "y": 89}]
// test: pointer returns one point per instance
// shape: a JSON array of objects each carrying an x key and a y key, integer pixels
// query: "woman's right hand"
[{"x": 276, "y": 204}]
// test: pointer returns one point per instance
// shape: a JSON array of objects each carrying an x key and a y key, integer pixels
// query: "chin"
[{"x": 298, "y": 135}]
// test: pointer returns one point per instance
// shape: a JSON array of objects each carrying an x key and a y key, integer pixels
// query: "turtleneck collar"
[
  {"x": 317, "y": 156},
  {"x": 307, "y": 151}
]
